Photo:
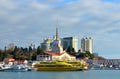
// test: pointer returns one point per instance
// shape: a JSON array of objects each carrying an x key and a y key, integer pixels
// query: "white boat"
[
  {"x": 21, "y": 68},
  {"x": 16, "y": 68},
  {"x": 6, "y": 68}
]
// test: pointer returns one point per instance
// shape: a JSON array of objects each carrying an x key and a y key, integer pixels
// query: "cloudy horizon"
[{"x": 30, "y": 21}]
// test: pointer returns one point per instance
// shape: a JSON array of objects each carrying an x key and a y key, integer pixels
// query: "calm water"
[{"x": 91, "y": 74}]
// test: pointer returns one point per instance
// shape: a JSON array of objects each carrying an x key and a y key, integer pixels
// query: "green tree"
[
  {"x": 0, "y": 55},
  {"x": 39, "y": 50},
  {"x": 30, "y": 48},
  {"x": 86, "y": 54},
  {"x": 89, "y": 55},
  {"x": 15, "y": 51},
  {"x": 82, "y": 55},
  {"x": 34, "y": 56}
]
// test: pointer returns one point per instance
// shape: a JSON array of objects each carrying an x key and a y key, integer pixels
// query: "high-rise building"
[
  {"x": 87, "y": 44},
  {"x": 70, "y": 42}
]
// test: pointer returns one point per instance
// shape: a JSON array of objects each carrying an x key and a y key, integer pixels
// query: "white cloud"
[
  {"x": 50, "y": 1},
  {"x": 7, "y": 5},
  {"x": 40, "y": 6},
  {"x": 33, "y": 20}
]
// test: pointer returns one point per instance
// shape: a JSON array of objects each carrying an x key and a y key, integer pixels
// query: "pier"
[{"x": 104, "y": 64}]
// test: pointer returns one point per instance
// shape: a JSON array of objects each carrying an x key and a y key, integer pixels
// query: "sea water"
[{"x": 90, "y": 74}]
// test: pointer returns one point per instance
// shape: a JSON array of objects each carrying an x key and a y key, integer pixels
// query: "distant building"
[
  {"x": 71, "y": 42},
  {"x": 47, "y": 44},
  {"x": 52, "y": 44},
  {"x": 87, "y": 44}
]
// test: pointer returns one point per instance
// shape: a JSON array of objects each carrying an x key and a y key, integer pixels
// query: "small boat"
[
  {"x": 15, "y": 68},
  {"x": 6, "y": 68},
  {"x": 19, "y": 68}
]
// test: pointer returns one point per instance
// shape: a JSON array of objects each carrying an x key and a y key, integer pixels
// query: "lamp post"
[{"x": 5, "y": 51}]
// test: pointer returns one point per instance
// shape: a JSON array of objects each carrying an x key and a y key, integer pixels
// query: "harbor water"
[{"x": 90, "y": 74}]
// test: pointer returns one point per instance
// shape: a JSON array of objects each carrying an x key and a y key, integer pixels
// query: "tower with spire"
[
  {"x": 57, "y": 47},
  {"x": 57, "y": 36}
]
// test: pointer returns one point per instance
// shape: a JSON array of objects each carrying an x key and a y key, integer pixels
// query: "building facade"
[
  {"x": 51, "y": 56},
  {"x": 71, "y": 42},
  {"x": 87, "y": 44},
  {"x": 47, "y": 44},
  {"x": 52, "y": 44}
]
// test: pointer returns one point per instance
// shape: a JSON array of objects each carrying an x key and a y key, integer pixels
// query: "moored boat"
[
  {"x": 16, "y": 68},
  {"x": 6, "y": 68},
  {"x": 20, "y": 68},
  {"x": 59, "y": 66}
]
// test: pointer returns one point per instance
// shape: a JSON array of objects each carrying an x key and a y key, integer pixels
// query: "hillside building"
[{"x": 87, "y": 44}]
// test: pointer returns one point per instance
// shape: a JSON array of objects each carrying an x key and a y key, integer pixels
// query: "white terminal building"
[
  {"x": 50, "y": 44},
  {"x": 53, "y": 50},
  {"x": 87, "y": 44}
]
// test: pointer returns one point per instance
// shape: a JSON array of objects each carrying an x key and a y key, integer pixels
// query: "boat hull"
[{"x": 55, "y": 69}]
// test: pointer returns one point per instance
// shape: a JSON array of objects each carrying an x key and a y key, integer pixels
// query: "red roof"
[
  {"x": 11, "y": 59},
  {"x": 52, "y": 53},
  {"x": 55, "y": 54},
  {"x": 68, "y": 54},
  {"x": 19, "y": 61}
]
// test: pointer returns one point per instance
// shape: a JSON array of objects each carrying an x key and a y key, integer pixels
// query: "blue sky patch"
[{"x": 112, "y": 1}]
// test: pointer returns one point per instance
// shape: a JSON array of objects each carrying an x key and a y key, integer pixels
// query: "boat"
[
  {"x": 5, "y": 67},
  {"x": 58, "y": 66},
  {"x": 15, "y": 68},
  {"x": 21, "y": 68}
]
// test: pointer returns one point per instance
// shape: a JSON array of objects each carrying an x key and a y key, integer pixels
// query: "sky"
[{"x": 23, "y": 22}]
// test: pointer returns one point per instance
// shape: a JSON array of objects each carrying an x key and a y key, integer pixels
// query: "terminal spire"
[{"x": 57, "y": 36}]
